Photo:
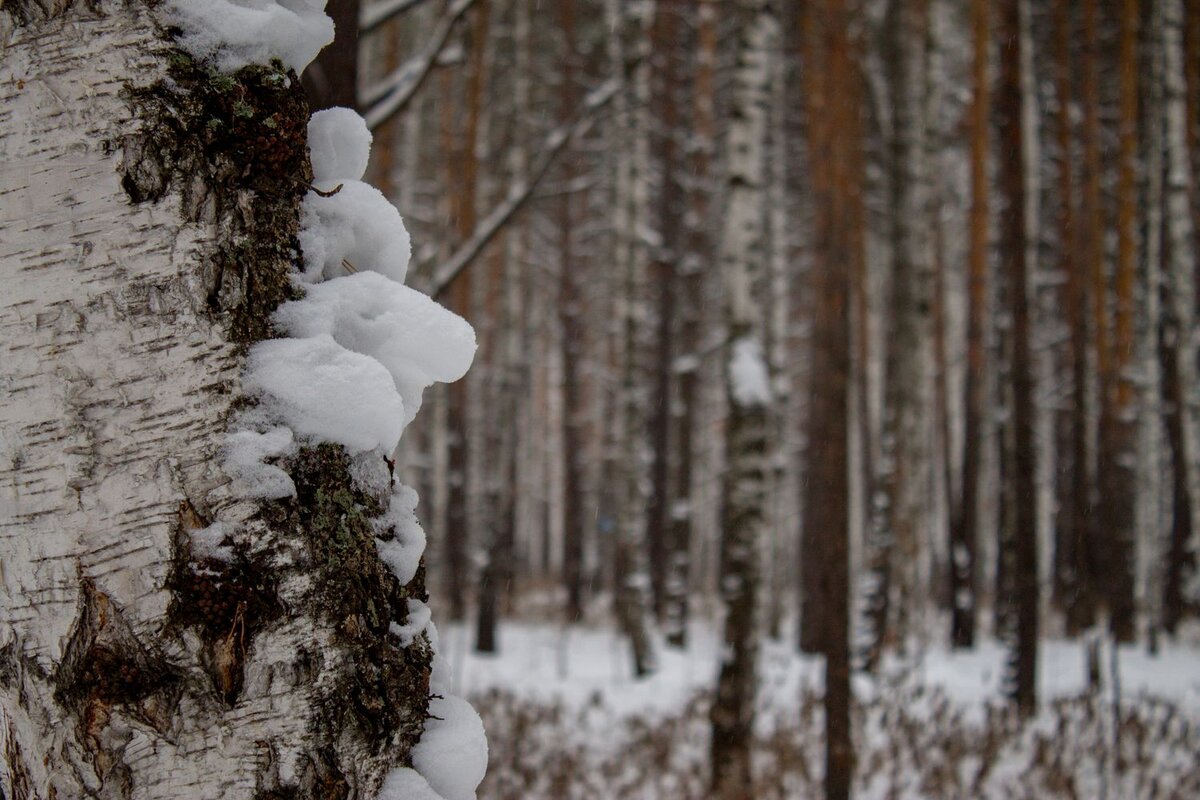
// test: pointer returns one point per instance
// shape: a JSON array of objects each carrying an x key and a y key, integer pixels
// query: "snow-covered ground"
[
  {"x": 579, "y": 667},
  {"x": 567, "y": 719}
]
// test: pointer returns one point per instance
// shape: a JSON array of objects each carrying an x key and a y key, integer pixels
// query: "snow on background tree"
[{"x": 212, "y": 582}]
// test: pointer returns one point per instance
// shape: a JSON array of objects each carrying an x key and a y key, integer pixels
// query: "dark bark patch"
[
  {"x": 106, "y": 667},
  {"x": 384, "y": 692},
  {"x": 320, "y": 779},
  {"x": 228, "y": 602},
  {"x": 27, "y": 11},
  {"x": 234, "y": 147}
]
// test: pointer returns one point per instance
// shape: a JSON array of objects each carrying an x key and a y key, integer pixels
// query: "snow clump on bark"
[
  {"x": 361, "y": 349},
  {"x": 233, "y": 34}
]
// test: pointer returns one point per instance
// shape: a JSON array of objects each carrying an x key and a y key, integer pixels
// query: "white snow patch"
[
  {"x": 356, "y": 223},
  {"x": 234, "y": 33},
  {"x": 418, "y": 619},
  {"x": 339, "y": 144},
  {"x": 245, "y": 451},
  {"x": 453, "y": 752},
  {"x": 417, "y": 340},
  {"x": 321, "y": 390},
  {"x": 206, "y": 542},
  {"x": 401, "y": 554},
  {"x": 748, "y": 379},
  {"x": 405, "y": 783}
]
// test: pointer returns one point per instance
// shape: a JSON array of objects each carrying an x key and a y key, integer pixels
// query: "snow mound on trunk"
[{"x": 232, "y": 34}]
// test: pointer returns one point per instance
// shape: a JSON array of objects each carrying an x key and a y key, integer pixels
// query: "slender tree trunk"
[
  {"x": 743, "y": 258},
  {"x": 498, "y": 571},
  {"x": 1118, "y": 430},
  {"x": 665, "y": 47},
  {"x": 332, "y": 80},
  {"x": 465, "y": 179},
  {"x": 965, "y": 529},
  {"x": 1073, "y": 538},
  {"x": 690, "y": 279},
  {"x": 1178, "y": 338},
  {"x": 570, "y": 309},
  {"x": 1024, "y": 580},
  {"x": 1081, "y": 608},
  {"x": 628, "y": 42},
  {"x": 833, "y": 114},
  {"x": 905, "y": 461}
]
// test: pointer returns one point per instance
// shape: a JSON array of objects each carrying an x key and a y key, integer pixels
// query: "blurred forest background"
[{"x": 864, "y": 328}]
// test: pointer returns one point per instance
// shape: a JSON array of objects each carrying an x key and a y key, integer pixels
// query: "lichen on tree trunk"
[{"x": 150, "y": 210}]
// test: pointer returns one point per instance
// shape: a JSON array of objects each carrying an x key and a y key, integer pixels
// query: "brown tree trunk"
[
  {"x": 665, "y": 50},
  {"x": 835, "y": 156},
  {"x": 464, "y": 176},
  {"x": 1118, "y": 425},
  {"x": 1024, "y": 580},
  {"x": 964, "y": 532},
  {"x": 332, "y": 79},
  {"x": 1070, "y": 573}
]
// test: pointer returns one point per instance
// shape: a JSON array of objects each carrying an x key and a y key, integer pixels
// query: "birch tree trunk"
[
  {"x": 743, "y": 261},
  {"x": 148, "y": 225},
  {"x": 628, "y": 42},
  {"x": 570, "y": 311},
  {"x": 1179, "y": 337},
  {"x": 690, "y": 280},
  {"x": 904, "y": 465}
]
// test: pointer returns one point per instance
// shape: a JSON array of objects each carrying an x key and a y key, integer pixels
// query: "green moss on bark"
[
  {"x": 360, "y": 598},
  {"x": 234, "y": 147}
]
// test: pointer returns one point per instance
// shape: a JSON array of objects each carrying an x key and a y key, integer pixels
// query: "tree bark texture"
[{"x": 144, "y": 247}]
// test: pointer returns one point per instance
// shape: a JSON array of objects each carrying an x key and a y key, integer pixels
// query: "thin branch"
[
  {"x": 522, "y": 190},
  {"x": 374, "y": 15},
  {"x": 391, "y": 95}
]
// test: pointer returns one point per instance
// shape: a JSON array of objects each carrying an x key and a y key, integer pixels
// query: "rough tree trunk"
[{"x": 144, "y": 246}]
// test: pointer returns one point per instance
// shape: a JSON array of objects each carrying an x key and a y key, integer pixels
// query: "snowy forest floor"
[{"x": 566, "y": 719}]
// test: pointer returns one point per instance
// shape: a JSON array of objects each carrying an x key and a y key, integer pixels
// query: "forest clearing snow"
[{"x": 580, "y": 667}]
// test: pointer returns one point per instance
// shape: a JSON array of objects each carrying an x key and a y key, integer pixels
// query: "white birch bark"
[
  {"x": 628, "y": 43},
  {"x": 1180, "y": 237},
  {"x": 743, "y": 258},
  {"x": 1151, "y": 509},
  {"x": 116, "y": 380}
]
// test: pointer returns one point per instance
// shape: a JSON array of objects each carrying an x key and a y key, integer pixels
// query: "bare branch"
[
  {"x": 522, "y": 190},
  {"x": 374, "y": 15},
  {"x": 391, "y": 95}
]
